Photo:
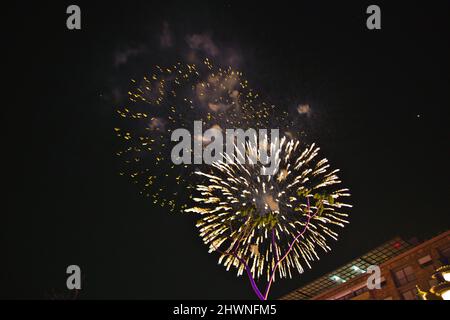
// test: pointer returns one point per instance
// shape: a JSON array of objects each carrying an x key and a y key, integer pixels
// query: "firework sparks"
[
  {"x": 172, "y": 98},
  {"x": 268, "y": 225}
]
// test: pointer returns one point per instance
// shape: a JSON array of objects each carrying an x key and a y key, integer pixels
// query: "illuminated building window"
[
  {"x": 337, "y": 279},
  {"x": 404, "y": 276}
]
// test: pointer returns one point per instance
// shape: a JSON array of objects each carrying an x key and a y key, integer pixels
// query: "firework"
[
  {"x": 269, "y": 225},
  {"x": 172, "y": 98}
]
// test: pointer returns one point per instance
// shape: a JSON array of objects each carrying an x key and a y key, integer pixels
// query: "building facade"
[{"x": 404, "y": 266}]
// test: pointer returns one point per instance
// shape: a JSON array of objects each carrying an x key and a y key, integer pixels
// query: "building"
[{"x": 403, "y": 265}]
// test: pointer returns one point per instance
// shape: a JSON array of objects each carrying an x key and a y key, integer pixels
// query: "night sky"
[{"x": 379, "y": 102}]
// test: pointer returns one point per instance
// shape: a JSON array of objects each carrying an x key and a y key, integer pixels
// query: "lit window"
[
  {"x": 337, "y": 279},
  {"x": 358, "y": 269}
]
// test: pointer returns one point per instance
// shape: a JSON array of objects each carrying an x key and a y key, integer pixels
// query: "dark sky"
[{"x": 65, "y": 203}]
